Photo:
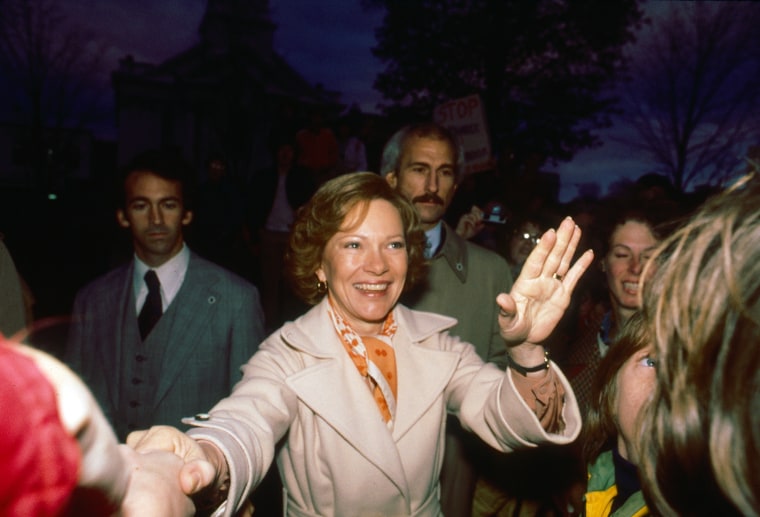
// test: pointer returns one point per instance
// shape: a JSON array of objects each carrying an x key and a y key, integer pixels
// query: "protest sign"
[{"x": 465, "y": 117}]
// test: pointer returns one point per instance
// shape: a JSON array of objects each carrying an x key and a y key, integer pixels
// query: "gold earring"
[{"x": 321, "y": 287}]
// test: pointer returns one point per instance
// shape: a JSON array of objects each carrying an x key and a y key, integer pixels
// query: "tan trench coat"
[{"x": 338, "y": 458}]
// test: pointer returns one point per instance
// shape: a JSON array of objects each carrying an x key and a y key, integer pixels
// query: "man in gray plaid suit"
[{"x": 148, "y": 369}]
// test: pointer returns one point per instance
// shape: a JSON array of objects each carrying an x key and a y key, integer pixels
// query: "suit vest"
[{"x": 141, "y": 368}]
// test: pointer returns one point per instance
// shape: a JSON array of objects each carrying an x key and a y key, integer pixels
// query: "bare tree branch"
[{"x": 692, "y": 97}]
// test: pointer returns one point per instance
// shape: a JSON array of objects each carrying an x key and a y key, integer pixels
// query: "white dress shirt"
[{"x": 171, "y": 274}]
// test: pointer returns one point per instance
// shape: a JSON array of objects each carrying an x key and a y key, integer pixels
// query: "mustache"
[{"x": 428, "y": 198}]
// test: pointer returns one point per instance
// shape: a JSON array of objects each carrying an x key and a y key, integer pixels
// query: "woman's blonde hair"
[
  {"x": 701, "y": 441},
  {"x": 323, "y": 216}
]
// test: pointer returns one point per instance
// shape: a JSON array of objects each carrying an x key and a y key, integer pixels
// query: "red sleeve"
[{"x": 38, "y": 458}]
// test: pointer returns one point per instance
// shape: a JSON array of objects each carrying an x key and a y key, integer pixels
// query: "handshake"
[{"x": 60, "y": 455}]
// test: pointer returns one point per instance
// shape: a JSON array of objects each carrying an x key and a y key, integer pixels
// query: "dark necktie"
[{"x": 151, "y": 311}]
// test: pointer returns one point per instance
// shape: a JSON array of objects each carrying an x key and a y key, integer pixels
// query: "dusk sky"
[{"x": 327, "y": 42}]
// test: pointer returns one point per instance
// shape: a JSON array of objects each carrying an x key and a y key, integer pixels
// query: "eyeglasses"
[{"x": 534, "y": 238}]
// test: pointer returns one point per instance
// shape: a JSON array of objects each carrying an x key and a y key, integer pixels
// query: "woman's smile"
[{"x": 365, "y": 264}]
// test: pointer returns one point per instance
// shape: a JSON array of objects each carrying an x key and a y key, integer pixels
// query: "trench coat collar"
[
  {"x": 335, "y": 390},
  {"x": 454, "y": 250}
]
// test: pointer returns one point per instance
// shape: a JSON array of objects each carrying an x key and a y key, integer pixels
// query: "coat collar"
[
  {"x": 333, "y": 388},
  {"x": 454, "y": 251},
  {"x": 310, "y": 332}
]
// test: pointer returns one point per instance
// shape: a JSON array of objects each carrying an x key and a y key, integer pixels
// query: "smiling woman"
[
  {"x": 628, "y": 238},
  {"x": 358, "y": 389},
  {"x": 365, "y": 265},
  {"x": 332, "y": 210}
]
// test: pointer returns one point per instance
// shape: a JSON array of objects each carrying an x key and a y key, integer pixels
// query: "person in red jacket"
[{"x": 59, "y": 456}]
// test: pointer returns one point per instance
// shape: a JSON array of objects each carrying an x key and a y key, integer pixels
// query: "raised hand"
[
  {"x": 471, "y": 223},
  {"x": 540, "y": 295}
]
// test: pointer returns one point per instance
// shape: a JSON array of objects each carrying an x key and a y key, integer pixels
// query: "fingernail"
[{"x": 196, "y": 481}]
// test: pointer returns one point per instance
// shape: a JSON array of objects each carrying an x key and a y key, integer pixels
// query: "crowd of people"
[{"x": 406, "y": 342}]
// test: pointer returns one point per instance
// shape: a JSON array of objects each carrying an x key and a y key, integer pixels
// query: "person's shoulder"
[
  {"x": 486, "y": 260},
  {"x": 484, "y": 254},
  {"x": 220, "y": 275},
  {"x": 5, "y": 254},
  {"x": 472, "y": 249},
  {"x": 421, "y": 324},
  {"x": 104, "y": 284},
  {"x": 212, "y": 268}
]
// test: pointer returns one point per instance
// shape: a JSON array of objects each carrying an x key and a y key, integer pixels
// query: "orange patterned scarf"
[{"x": 375, "y": 359}]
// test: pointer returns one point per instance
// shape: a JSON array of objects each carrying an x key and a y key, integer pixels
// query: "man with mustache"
[
  {"x": 425, "y": 162},
  {"x": 163, "y": 336}
]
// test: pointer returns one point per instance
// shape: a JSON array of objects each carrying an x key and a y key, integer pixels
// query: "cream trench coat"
[{"x": 338, "y": 458}]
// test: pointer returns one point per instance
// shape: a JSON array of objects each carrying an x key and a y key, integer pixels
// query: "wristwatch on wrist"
[{"x": 525, "y": 370}]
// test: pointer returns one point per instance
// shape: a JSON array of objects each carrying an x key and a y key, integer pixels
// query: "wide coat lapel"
[
  {"x": 333, "y": 388},
  {"x": 201, "y": 299},
  {"x": 423, "y": 371}
]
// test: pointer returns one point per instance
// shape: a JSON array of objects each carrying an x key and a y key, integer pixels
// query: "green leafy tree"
[
  {"x": 693, "y": 95},
  {"x": 541, "y": 67}
]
